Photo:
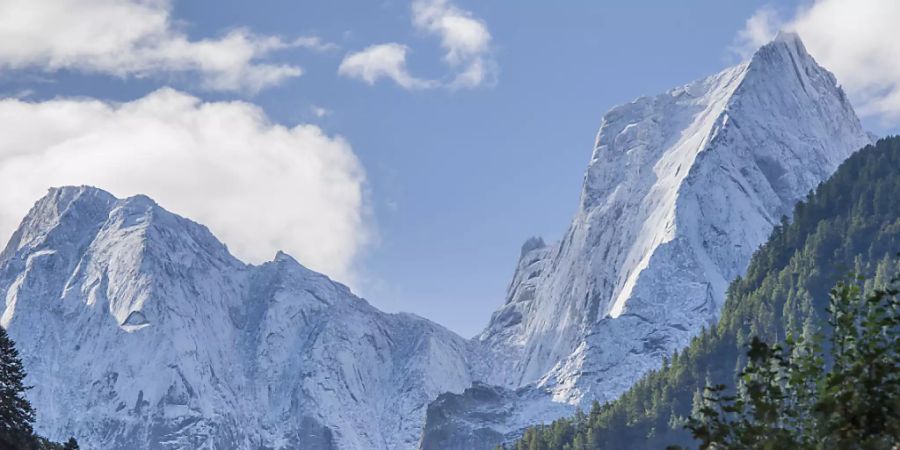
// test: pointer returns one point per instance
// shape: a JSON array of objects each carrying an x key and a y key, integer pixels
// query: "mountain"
[
  {"x": 140, "y": 331},
  {"x": 850, "y": 223},
  {"x": 680, "y": 191}
]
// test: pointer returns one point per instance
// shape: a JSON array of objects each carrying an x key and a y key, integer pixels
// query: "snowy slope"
[
  {"x": 140, "y": 331},
  {"x": 680, "y": 190}
]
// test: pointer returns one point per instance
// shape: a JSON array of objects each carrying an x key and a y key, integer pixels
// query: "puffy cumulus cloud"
[
  {"x": 258, "y": 186},
  {"x": 382, "y": 61},
  {"x": 854, "y": 39},
  {"x": 135, "y": 38},
  {"x": 464, "y": 39}
]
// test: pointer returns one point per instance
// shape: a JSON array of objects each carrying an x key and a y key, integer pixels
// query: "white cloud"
[
  {"x": 381, "y": 61},
  {"x": 314, "y": 43},
  {"x": 464, "y": 39},
  {"x": 258, "y": 186},
  {"x": 320, "y": 111},
  {"x": 135, "y": 38},
  {"x": 759, "y": 29},
  {"x": 857, "y": 41}
]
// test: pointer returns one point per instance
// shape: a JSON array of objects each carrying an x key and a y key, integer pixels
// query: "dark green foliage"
[
  {"x": 851, "y": 223},
  {"x": 859, "y": 398},
  {"x": 16, "y": 413},
  {"x": 40, "y": 443},
  {"x": 789, "y": 398}
]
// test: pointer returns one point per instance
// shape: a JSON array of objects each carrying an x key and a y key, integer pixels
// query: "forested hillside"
[{"x": 850, "y": 223}]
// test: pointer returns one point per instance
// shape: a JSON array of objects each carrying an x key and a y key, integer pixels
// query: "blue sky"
[{"x": 456, "y": 178}]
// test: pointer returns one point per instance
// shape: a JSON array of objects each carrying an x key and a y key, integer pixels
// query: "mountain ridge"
[
  {"x": 850, "y": 224},
  {"x": 245, "y": 356},
  {"x": 681, "y": 188}
]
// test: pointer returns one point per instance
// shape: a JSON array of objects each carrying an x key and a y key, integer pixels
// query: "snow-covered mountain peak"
[
  {"x": 786, "y": 61},
  {"x": 63, "y": 196},
  {"x": 76, "y": 213},
  {"x": 61, "y": 208},
  {"x": 281, "y": 256},
  {"x": 143, "y": 322},
  {"x": 787, "y": 37},
  {"x": 286, "y": 263},
  {"x": 168, "y": 341},
  {"x": 680, "y": 189}
]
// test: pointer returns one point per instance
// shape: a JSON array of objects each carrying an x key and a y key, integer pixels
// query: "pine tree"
[
  {"x": 788, "y": 398},
  {"x": 71, "y": 444},
  {"x": 16, "y": 413}
]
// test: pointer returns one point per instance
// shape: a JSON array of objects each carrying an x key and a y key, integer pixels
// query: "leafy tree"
[{"x": 71, "y": 444}]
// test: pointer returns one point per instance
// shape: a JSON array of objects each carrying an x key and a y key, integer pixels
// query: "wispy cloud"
[
  {"x": 854, "y": 39},
  {"x": 382, "y": 61},
  {"x": 314, "y": 43},
  {"x": 759, "y": 29},
  {"x": 319, "y": 111},
  {"x": 465, "y": 40},
  {"x": 136, "y": 38},
  {"x": 259, "y": 186}
]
